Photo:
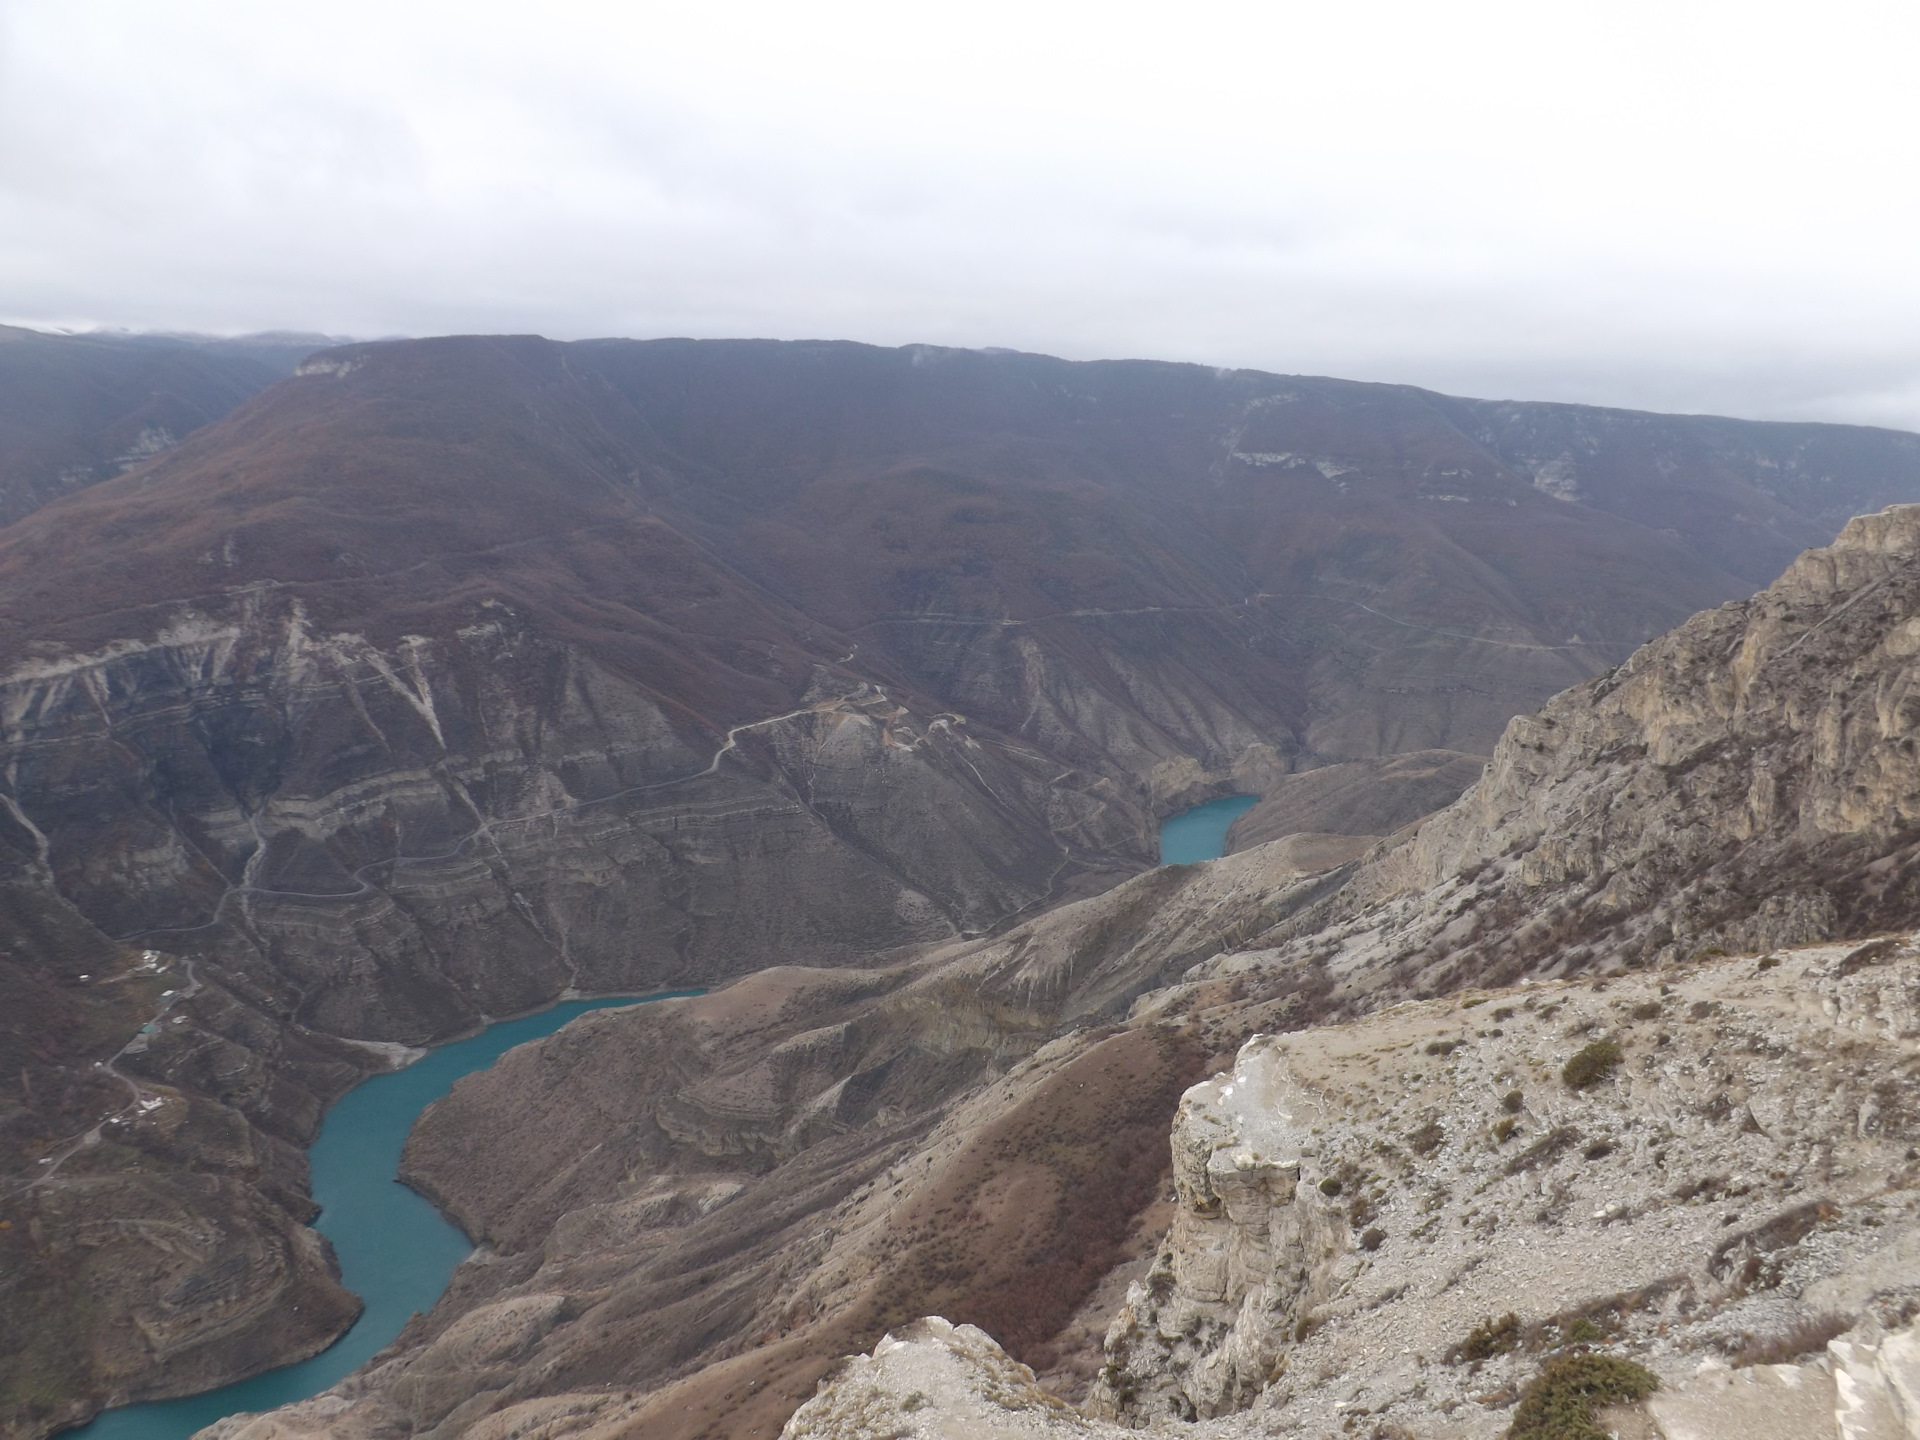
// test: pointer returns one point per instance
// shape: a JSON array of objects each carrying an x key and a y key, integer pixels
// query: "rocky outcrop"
[
  {"x": 1727, "y": 1174},
  {"x": 946, "y": 1379},
  {"x": 1250, "y": 1254},
  {"x": 1396, "y": 1222}
]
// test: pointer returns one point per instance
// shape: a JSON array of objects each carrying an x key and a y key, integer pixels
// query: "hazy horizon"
[{"x": 1702, "y": 209}]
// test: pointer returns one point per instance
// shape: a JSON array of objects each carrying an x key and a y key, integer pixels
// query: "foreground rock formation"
[{"x": 1360, "y": 1207}]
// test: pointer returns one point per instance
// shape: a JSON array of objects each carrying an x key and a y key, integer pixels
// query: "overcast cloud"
[{"x": 1679, "y": 206}]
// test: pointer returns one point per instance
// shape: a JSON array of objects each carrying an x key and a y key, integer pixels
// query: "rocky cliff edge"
[{"x": 1387, "y": 1228}]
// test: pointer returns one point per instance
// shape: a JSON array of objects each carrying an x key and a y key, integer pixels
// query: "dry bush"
[
  {"x": 1807, "y": 1337},
  {"x": 1590, "y": 1064}
]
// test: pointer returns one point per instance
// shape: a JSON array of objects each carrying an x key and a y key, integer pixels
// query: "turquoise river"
[
  {"x": 396, "y": 1251},
  {"x": 1201, "y": 833}
]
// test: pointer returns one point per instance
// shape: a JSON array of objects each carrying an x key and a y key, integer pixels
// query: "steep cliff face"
[{"x": 1746, "y": 781}]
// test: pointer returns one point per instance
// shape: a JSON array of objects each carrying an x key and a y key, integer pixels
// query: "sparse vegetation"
[
  {"x": 1444, "y": 1047},
  {"x": 1491, "y": 1337},
  {"x": 1504, "y": 1127},
  {"x": 1513, "y": 1102},
  {"x": 1330, "y": 1185},
  {"x": 1590, "y": 1064},
  {"x": 1646, "y": 1010},
  {"x": 1427, "y": 1139},
  {"x": 1373, "y": 1238},
  {"x": 1545, "y": 1150},
  {"x": 1559, "y": 1402},
  {"x": 1808, "y": 1337}
]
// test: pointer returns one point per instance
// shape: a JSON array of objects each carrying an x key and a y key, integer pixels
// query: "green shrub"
[
  {"x": 1504, "y": 1127},
  {"x": 1513, "y": 1102},
  {"x": 1373, "y": 1238},
  {"x": 1330, "y": 1185},
  {"x": 1559, "y": 1402},
  {"x": 1591, "y": 1064}
]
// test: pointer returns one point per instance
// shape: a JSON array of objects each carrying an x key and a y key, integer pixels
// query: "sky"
[{"x": 1678, "y": 206}]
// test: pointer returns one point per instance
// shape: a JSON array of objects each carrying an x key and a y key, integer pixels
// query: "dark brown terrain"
[{"x": 451, "y": 676}]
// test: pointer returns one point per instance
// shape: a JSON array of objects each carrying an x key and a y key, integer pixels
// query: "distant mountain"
[
  {"x": 444, "y": 677},
  {"x": 77, "y": 409}
]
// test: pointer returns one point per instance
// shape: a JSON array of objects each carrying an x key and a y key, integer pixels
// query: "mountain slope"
[{"x": 77, "y": 409}]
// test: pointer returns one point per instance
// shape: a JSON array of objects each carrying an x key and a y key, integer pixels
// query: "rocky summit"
[{"x": 442, "y": 679}]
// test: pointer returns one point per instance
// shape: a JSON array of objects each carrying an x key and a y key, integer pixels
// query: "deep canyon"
[{"x": 443, "y": 679}]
